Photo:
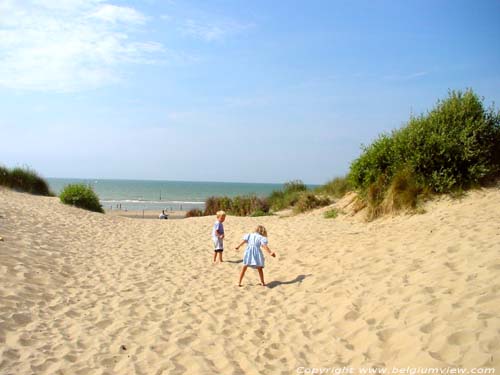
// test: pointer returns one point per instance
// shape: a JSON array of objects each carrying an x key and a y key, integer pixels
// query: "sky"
[{"x": 236, "y": 91}]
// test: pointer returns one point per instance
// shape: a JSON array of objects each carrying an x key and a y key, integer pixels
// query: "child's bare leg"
[
  {"x": 261, "y": 275},
  {"x": 220, "y": 256},
  {"x": 215, "y": 256},
  {"x": 242, "y": 273}
]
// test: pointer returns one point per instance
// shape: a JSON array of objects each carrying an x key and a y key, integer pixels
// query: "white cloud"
[
  {"x": 203, "y": 31},
  {"x": 68, "y": 45},
  {"x": 211, "y": 31},
  {"x": 114, "y": 14}
]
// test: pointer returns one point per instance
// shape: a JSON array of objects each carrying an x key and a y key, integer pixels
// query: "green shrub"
[
  {"x": 239, "y": 206},
  {"x": 81, "y": 196},
  {"x": 214, "y": 204},
  {"x": 24, "y": 179},
  {"x": 309, "y": 201},
  {"x": 259, "y": 213},
  {"x": 331, "y": 214},
  {"x": 195, "y": 212},
  {"x": 454, "y": 146},
  {"x": 4, "y": 177},
  {"x": 294, "y": 186},
  {"x": 336, "y": 188},
  {"x": 288, "y": 196},
  {"x": 277, "y": 200}
]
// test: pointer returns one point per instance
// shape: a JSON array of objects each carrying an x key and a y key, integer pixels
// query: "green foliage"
[
  {"x": 24, "y": 179},
  {"x": 81, "y": 196},
  {"x": 335, "y": 188},
  {"x": 4, "y": 176},
  {"x": 281, "y": 199},
  {"x": 259, "y": 213},
  {"x": 331, "y": 214},
  {"x": 239, "y": 205},
  {"x": 214, "y": 204},
  {"x": 309, "y": 201},
  {"x": 294, "y": 186},
  {"x": 454, "y": 146},
  {"x": 195, "y": 212}
]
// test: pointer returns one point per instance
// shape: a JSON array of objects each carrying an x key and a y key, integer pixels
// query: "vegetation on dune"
[
  {"x": 245, "y": 205},
  {"x": 331, "y": 214},
  {"x": 335, "y": 188},
  {"x": 25, "y": 180},
  {"x": 453, "y": 147},
  {"x": 309, "y": 201},
  {"x": 195, "y": 212},
  {"x": 82, "y": 196},
  {"x": 294, "y": 194},
  {"x": 288, "y": 196}
]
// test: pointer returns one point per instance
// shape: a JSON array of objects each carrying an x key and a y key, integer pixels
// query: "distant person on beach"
[
  {"x": 218, "y": 235},
  {"x": 163, "y": 215},
  {"x": 253, "y": 254}
]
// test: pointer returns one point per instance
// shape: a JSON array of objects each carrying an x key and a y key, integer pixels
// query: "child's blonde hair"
[
  {"x": 220, "y": 213},
  {"x": 261, "y": 230}
]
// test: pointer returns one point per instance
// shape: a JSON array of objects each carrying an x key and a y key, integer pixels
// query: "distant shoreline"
[{"x": 146, "y": 214}]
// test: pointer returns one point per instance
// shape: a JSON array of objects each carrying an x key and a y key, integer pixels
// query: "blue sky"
[{"x": 247, "y": 91}]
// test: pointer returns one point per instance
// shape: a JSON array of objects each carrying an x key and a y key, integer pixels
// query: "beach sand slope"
[{"x": 86, "y": 293}]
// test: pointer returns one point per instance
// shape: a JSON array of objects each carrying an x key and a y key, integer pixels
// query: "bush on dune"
[
  {"x": 335, "y": 188},
  {"x": 195, "y": 212},
  {"x": 214, "y": 204},
  {"x": 455, "y": 146},
  {"x": 81, "y": 196},
  {"x": 309, "y": 201},
  {"x": 288, "y": 196},
  {"x": 24, "y": 179},
  {"x": 239, "y": 206}
]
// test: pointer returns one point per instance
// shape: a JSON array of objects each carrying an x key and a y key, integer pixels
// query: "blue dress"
[{"x": 253, "y": 254}]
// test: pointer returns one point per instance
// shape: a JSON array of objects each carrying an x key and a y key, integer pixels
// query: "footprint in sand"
[
  {"x": 385, "y": 334},
  {"x": 490, "y": 346},
  {"x": 427, "y": 328},
  {"x": 461, "y": 338},
  {"x": 351, "y": 315},
  {"x": 22, "y": 319}
]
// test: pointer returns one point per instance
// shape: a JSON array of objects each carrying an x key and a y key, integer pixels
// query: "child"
[
  {"x": 253, "y": 254},
  {"x": 218, "y": 235}
]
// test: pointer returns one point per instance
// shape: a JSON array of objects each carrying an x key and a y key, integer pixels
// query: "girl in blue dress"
[{"x": 253, "y": 254}]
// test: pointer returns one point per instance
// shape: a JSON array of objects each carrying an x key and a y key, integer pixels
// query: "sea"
[{"x": 137, "y": 195}]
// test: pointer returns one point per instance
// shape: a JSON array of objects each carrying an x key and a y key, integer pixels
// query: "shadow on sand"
[
  {"x": 234, "y": 261},
  {"x": 298, "y": 279}
]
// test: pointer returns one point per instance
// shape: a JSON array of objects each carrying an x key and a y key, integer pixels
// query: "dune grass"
[
  {"x": 310, "y": 201},
  {"x": 25, "y": 180},
  {"x": 243, "y": 205},
  {"x": 195, "y": 212},
  {"x": 335, "y": 188}
]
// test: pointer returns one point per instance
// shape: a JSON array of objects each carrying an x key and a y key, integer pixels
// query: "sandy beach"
[{"x": 86, "y": 293}]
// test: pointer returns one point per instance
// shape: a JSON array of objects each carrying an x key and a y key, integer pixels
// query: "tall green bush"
[
  {"x": 456, "y": 145},
  {"x": 81, "y": 196}
]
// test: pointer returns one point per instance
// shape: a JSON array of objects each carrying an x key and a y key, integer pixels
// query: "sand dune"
[{"x": 86, "y": 293}]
